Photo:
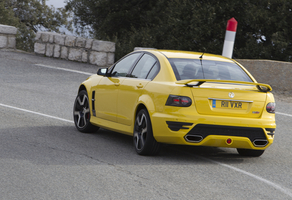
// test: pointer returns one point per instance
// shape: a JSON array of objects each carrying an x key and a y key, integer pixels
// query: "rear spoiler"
[{"x": 197, "y": 82}]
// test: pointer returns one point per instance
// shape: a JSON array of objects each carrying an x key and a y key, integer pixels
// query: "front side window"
[
  {"x": 207, "y": 69},
  {"x": 123, "y": 66}
]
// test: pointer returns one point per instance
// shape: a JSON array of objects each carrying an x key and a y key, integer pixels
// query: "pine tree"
[{"x": 264, "y": 29}]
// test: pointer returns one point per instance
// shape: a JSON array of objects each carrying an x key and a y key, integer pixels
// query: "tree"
[
  {"x": 263, "y": 26},
  {"x": 30, "y": 16}
]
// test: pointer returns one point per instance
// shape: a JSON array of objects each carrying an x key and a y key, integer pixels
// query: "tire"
[
  {"x": 250, "y": 152},
  {"x": 144, "y": 142},
  {"x": 81, "y": 113}
]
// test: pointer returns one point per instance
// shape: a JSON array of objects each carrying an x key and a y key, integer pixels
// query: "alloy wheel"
[
  {"x": 81, "y": 111},
  {"x": 140, "y": 133}
]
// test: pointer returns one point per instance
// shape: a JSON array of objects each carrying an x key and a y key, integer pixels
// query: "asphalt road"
[{"x": 43, "y": 156}]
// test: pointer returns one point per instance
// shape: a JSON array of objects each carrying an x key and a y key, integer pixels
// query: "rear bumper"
[{"x": 217, "y": 131}]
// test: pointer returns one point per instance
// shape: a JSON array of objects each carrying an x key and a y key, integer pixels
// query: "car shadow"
[{"x": 51, "y": 145}]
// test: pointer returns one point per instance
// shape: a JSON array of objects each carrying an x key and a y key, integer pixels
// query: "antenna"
[{"x": 201, "y": 57}]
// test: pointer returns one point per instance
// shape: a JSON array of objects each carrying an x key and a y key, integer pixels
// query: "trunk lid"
[{"x": 234, "y": 100}]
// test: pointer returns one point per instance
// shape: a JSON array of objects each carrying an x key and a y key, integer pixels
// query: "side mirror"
[{"x": 102, "y": 71}]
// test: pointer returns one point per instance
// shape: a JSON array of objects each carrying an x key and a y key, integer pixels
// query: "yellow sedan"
[{"x": 178, "y": 97}]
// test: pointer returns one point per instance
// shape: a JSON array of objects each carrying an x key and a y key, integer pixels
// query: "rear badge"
[
  {"x": 255, "y": 112},
  {"x": 231, "y": 94}
]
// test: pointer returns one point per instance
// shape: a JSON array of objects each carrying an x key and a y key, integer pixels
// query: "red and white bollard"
[{"x": 229, "y": 38}]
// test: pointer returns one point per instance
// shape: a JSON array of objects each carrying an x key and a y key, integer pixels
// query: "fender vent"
[{"x": 92, "y": 103}]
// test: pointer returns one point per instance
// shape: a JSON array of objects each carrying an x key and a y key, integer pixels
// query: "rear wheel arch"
[
  {"x": 140, "y": 107},
  {"x": 146, "y": 102}
]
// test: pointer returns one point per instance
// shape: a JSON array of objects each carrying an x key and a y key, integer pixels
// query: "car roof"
[{"x": 190, "y": 55}]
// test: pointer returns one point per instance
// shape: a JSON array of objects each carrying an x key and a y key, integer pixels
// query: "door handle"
[
  {"x": 117, "y": 84},
  {"x": 139, "y": 86}
]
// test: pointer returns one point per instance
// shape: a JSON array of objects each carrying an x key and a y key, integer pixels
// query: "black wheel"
[
  {"x": 144, "y": 142},
  {"x": 81, "y": 113},
  {"x": 250, "y": 152}
]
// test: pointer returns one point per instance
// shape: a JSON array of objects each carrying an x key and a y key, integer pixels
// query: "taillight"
[
  {"x": 180, "y": 101},
  {"x": 271, "y": 107}
]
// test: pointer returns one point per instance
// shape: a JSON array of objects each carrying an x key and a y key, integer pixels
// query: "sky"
[
  {"x": 56, "y": 3},
  {"x": 59, "y": 4}
]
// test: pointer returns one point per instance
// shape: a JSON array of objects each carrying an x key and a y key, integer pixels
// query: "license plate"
[{"x": 228, "y": 104}]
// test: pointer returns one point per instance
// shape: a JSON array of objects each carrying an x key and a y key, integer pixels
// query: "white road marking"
[
  {"x": 36, "y": 113},
  {"x": 270, "y": 183},
  {"x": 274, "y": 185},
  {"x": 279, "y": 113},
  {"x": 63, "y": 69}
]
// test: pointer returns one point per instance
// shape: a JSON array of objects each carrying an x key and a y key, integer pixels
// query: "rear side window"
[
  {"x": 154, "y": 71},
  {"x": 146, "y": 68},
  {"x": 123, "y": 67},
  {"x": 207, "y": 69}
]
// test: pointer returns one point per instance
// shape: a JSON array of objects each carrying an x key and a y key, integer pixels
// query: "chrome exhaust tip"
[
  {"x": 260, "y": 143},
  {"x": 193, "y": 138}
]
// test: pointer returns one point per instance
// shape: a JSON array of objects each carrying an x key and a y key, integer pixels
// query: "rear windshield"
[{"x": 207, "y": 69}]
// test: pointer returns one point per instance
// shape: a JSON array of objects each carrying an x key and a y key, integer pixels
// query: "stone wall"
[
  {"x": 7, "y": 37},
  {"x": 275, "y": 73},
  {"x": 97, "y": 52}
]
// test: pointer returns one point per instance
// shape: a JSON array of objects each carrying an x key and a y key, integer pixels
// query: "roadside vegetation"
[
  {"x": 31, "y": 16},
  {"x": 264, "y": 27}
]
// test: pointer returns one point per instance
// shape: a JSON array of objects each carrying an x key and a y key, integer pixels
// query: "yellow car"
[{"x": 178, "y": 97}]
